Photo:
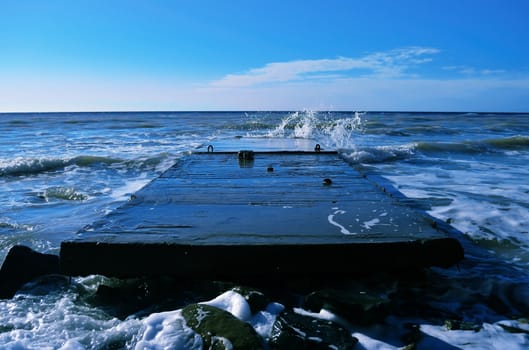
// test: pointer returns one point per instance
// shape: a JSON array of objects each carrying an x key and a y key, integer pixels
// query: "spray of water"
[{"x": 331, "y": 130}]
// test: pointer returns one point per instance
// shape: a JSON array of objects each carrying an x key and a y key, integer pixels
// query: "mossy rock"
[
  {"x": 294, "y": 331},
  {"x": 459, "y": 325},
  {"x": 218, "y": 327}
]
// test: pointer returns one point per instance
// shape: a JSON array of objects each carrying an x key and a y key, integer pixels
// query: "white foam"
[
  {"x": 221, "y": 341},
  {"x": 40, "y": 322},
  {"x": 132, "y": 186},
  {"x": 72, "y": 344},
  {"x": 322, "y": 315},
  {"x": 380, "y": 154},
  {"x": 263, "y": 320},
  {"x": 483, "y": 199},
  {"x": 54, "y": 321},
  {"x": 490, "y": 337},
  {"x": 234, "y": 303},
  {"x": 168, "y": 330}
]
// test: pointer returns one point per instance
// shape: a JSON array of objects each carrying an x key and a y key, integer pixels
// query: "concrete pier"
[{"x": 226, "y": 214}]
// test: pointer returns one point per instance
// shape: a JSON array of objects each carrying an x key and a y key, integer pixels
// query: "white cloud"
[
  {"x": 472, "y": 71},
  {"x": 492, "y": 71},
  {"x": 305, "y": 84},
  {"x": 389, "y": 64},
  {"x": 402, "y": 94}
]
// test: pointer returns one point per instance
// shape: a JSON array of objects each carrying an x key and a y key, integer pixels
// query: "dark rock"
[
  {"x": 21, "y": 265},
  {"x": 123, "y": 297},
  {"x": 257, "y": 300},
  {"x": 412, "y": 337},
  {"x": 44, "y": 285},
  {"x": 458, "y": 325},
  {"x": 356, "y": 307},
  {"x": 513, "y": 329},
  {"x": 294, "y": 331},
  {"x": 214, "y": 324}
]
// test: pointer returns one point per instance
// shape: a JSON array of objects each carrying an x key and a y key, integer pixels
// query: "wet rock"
[
  {"x": 219, "y": 329},
  {"x": 294, "y": 331},
  {"x": 515, "y": 327},
  {"x": 123, "y": 297},
  {"x": 412, "y": 337},
  {"x": 356, "y": 307},
  {"x": 21, "y": 265},
  {"x": 257, "y": 300}
]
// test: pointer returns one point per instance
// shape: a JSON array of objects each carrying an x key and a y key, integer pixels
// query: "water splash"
[{"x": 333, "y": 130}]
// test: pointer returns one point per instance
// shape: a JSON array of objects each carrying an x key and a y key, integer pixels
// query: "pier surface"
[{"x": 282, "y": 213}]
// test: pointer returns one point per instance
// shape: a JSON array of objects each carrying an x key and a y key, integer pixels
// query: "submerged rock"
[
  {"x": 219, "y": 329},
  {"x": 21, "y": 265},
  {"x": 294, "y": 331}
]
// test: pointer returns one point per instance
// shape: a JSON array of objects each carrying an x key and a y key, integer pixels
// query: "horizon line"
[{"x": 265, "y": 111}]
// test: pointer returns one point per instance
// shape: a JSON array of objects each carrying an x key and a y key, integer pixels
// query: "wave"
[
  {"x": 382, "y": 154},
  {"x": 509, "y": 143},
  {"x": 8, "y": 224},
  {"x": 501, "y": 144},
  {"x": 19, "y": 167},
  {"x": 86, "y": 161},
  {"x": 30, "y": 167},
  {"x": 379, "y": 154},
  {"x": 451, "y": 147},
  {"x": 24, "y": 167}
]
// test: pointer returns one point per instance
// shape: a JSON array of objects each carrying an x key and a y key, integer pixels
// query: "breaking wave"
[
  {"x": 28, "y": 167},
  {"x": 23, "y": 167},
  {"x": 379, "y": 154}
]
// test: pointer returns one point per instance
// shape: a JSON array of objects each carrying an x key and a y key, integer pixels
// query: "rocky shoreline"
[{"x": 299, "y": 314}]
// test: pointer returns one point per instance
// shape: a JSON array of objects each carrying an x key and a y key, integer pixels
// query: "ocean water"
[{"x": 62, "y": 171}]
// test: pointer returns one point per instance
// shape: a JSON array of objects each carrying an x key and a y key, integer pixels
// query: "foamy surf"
[{"x": 468, "y": 170}]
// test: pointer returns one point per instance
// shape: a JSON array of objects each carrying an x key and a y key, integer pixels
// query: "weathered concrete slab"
[{"x": 215, "y": 215}]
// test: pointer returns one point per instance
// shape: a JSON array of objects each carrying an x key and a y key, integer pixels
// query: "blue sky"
[{"x": 68, "y": 55}]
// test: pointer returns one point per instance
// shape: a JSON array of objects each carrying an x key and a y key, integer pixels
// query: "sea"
[{"x": 60, "y": 172}]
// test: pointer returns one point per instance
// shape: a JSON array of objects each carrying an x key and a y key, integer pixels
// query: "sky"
[{"x": 143, "y": 55}]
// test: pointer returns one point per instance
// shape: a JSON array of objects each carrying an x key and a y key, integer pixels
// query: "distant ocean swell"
[{"x": 481, "y": 146}]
